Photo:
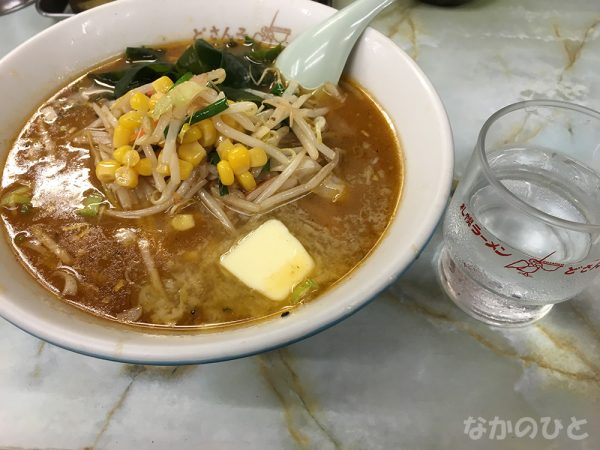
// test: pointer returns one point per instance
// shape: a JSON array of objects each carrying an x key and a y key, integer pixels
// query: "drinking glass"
[{"x": 522, "y": 231}]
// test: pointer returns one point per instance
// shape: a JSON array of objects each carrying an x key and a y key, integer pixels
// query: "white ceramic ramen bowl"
[{"x": 45, "y": 63}]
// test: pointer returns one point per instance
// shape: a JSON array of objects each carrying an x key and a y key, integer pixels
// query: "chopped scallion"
[
  {"x": 185, "y": 77},
  {"x": 223, "y": 190},
  {"x": 303, "y": 289},
  {"x": 25, "y": 208},
  {"x": 19, "y": 196},
  {"x": 278, "y": 89},
  {"x": 91, "y": 205},
  {"x": 213, "y": 158},
  {"x": 266, "y": 168},
  {"x": 209, "y": 111},
  {"x": 239, "y": 95}
]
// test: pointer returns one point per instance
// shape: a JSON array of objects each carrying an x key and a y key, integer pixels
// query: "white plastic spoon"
[{"x": 319, "y": 54}]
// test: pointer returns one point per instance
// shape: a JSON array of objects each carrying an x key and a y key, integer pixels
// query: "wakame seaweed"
[
  {"x": 243, "y": 71},
  {"x": 140, "y": 75},
  {"x": 199, "y": 57},
  {"x": 107, "y": 78},
  {"x": 266, "y": 54},
  {"x": 135, "y": 76},
  {"x": 261, "y": 53},
  {"x": 137, "y": 54}
]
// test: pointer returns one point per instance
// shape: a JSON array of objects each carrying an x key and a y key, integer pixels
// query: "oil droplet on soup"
[{"x": 70, "y": 183}]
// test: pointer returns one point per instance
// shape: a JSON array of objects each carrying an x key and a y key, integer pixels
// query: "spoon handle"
[{"x": 319, "y": 54}]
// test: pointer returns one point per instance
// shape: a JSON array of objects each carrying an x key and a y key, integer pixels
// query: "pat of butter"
[{"x": 270, "y": 260}]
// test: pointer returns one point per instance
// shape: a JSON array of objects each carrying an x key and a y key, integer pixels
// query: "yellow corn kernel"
[
  {"x": 144, "y": 167},
  {"x": 121, "y": 136},
  {"x": 183, "y": 222},
  {"x": 184, "y": 128},
  {"x": 126, "y": 155},
  {"x": 119, "y": 153},
  {"x": 231, "y": 122},
  {"x": 192, "y": 134},
  {"x": 131, "y": 158},
  {"x": 247, "y": 181},
  {"x": 105, "y": 170},
  {"x": 163, "y": 169},
  {"x": 258, "y": 157},
  {"x": 126, "y": 177},
  {"x": 131, "y": 119},
  {"x": 193, "y": 153},
  {"x": 163, "y": 84},
  {"x": 225, "y": 173},
  {"x": 153, "y": 99},
  {"x": 223, "y": 149},
  {"x": 209, "y": 133},
  {"x": 239, "y": 159},
  {"x": 185, "y": 169},
  {"x": 139, "y": 102}
]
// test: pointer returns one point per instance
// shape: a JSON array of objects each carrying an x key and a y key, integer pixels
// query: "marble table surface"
[{"x": 410, "y": 370}]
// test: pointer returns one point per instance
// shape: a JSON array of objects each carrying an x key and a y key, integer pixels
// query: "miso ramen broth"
[{"x": 146, "y": 249}]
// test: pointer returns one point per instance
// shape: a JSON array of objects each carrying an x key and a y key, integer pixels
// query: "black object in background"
[
  {"x": 59, "y": 9},
  {"x": 53, "y": 8},
  {"x": 446, "y": 2}
]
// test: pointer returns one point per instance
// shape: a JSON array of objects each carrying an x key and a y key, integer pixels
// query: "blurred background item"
[
  {"x": 82, "y": 5},
  {"x": 446, "y": 2},
  {"x": 60, "y": 9},
  {"x": 8, "y": 6}
]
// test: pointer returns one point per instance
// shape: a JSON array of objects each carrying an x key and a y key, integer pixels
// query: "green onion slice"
[
  {"x": 223, "y": 190},
  {"x": 266, "y": 168},
  {"x": 213, "y": 158},
  {"x": 19, "y": 196},
  {"x": 303, "y": 289},
  {"x": 278, "y": 89},
  {"x": 209, "y": 111},
  {"x": 183, "y": 78},
  {"x": 91, "y": 205}
]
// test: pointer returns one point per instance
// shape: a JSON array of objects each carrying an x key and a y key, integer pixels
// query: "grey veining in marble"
[{"x": 407, "y": 370}]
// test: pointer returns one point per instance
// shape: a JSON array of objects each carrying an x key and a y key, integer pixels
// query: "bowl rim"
[{"x": 142, "y": 354}]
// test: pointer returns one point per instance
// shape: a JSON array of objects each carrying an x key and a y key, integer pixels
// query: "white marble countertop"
[{"x": 405, "y": 372}]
